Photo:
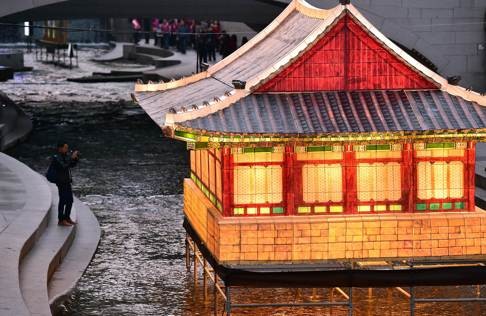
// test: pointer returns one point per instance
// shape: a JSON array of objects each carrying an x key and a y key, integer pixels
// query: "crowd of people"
[{"x": 206, "y": 37}]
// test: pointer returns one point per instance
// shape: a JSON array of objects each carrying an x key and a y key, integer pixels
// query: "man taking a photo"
[{"x": 60, "y": 173}]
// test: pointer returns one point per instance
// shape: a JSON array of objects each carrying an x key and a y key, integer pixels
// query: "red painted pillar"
[
  {"x": 408, "y": 186},
  {"x": 289, "y": 181},
  {"x": 350, "y": 178},
  {"x": 227, "y": 181},
  {"x": 470, "y": 185}
]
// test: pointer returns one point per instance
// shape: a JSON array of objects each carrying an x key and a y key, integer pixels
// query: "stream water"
[{"x": 131, "y": 177}]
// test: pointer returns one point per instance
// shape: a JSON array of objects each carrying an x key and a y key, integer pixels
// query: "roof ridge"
[{"x": 312, "y": 11}]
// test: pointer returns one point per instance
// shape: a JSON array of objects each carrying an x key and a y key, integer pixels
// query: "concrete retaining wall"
[{"x": 451, "y": 33}]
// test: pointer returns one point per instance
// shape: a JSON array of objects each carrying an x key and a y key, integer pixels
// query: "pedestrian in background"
[{"x": 136, "y": 26}]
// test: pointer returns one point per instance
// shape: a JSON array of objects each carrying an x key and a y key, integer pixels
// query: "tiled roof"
[
  {"x": 291, "y": 31},
  {"x": 344, "y": 112}
]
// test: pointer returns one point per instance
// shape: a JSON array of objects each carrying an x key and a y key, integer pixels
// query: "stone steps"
[
  {"x": 41, "y": 261},
  {"x": 38, "y": 266},
  {"x": 83, "y": 248},
  {"x": 23, "y": 225}
]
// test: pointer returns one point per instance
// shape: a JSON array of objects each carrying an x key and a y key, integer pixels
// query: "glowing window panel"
[
  {"x": 395, "y": 207},
  {"x": 217, "y": 152},
  {"x": 198, "y": 163},
  {"x": 264, "y": 210},
  {"x": 277, "y": 210},
  {"x": 434, "y": 206},
  {"x": 376, "y": 154},
  {"x": 379, "y": 181},
  {"x": 320, "y": 155},
  {"x": 258, "y": 156},
  {"x": 251, "y": 211},
  {"x": 303, "y": 209},
  {"x": 440, "y": 180},
  {"x": 364, "y": 208},
  {"x": 219, "y": 191},
  {"x": 193, "y": 160},
  {"x": 239, "y": 211},
  {"x": 212, "y": 173},
  {"x": 447, "y": 206},
  {"x": 379, "y": 208},
  {"x": 336, "y": 209},
  {"x": 257, "y": 184},
  {"x": 421, "y": 206},
  {"x": 440, "y": 153},
  {"x": 322, "y": 183},
  {"x": 320, "y": 209},
  {"x": 459, "y": 205}
]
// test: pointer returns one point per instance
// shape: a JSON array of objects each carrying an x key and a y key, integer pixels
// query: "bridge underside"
[{"x": 256, "y": 12}]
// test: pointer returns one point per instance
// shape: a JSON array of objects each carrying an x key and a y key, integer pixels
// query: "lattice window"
[
  {"x": 322, "y": 183},
  {"x": 379, "y": 181},
  {"x": 258, "y": 184},
  {"x": 212, "y": 173},
  {"x": 440, "y": 180},
  {"x": 204, "y": 167},
  {"x": 219, "y": 193}
]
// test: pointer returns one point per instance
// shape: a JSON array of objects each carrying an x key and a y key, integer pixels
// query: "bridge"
[
  {"x": 450, "y": 34},
  {"x": 257, "y": 12}
]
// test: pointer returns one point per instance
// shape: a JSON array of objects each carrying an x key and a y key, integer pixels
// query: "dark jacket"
[{"x": 62, "y": 164}]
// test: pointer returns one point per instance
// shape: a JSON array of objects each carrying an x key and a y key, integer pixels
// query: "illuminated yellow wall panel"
[
  {"x": 218, "y": 181},
  {"x": 258, "y": 157},
  {"x": 379, "y": 181},
  {"x": 322, "y": 183},
  {"x": 212, "y": 174},
  {"x": 440, "y": 180},
  {"x": 378, "y": 154},
  {"x": 257, "y": 184},
  {"x": 320, "y": 155},
  {"x": 204, "y": 167},
  {"x": 193, "y": 160}
]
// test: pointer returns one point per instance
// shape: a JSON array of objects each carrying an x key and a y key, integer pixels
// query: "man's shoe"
[
  {"x": 70, "y": 221},
  {"x": 64, "y": 223}
]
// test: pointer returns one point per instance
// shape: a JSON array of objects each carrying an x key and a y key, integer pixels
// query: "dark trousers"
[{"x": 65, "y": 201}]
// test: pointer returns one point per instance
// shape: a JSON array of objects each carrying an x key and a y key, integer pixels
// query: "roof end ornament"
[{"x": 345, "y": 2}]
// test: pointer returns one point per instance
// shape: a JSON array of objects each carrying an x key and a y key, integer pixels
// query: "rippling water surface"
[{"x": 131, "y": 177}]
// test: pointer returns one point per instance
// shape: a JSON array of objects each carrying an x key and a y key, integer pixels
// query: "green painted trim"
[
  {"x": 378, "y": 147},
  {"x": 459, "y": 205},
  {"x": 318, "y": 148},
  {"x": 447, "y": 206},
  {"x": 421, "y": 206},
  {"x": 440, "y": 145},
  {"x": 434, "y": 206},
  {"x": 249, "y": 150},
  {"x": 201, "y": 145},
  {"x": 278, "y": 210},
  {"x": 185, "y": 134}
]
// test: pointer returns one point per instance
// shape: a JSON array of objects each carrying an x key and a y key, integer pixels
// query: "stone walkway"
[
  {"x": 12, "y": 196},
  {"x": 25, "y": 200}
]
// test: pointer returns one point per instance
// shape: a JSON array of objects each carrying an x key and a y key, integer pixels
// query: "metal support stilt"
[
  {"x": 331, "y": 299},
  {"x": 412, "y": 301},
  {"x": 195, "y": 269},
  {"x": 228, "y": 300},
  {"x": 350, "y": 310},
  {"x": 188, "y": 255},
  {"x": 205, "y": 281},
  {"x": 215, "y": 294}
]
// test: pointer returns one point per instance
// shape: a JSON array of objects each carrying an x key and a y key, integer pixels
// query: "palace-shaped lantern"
[{"x": 335, "y": 144}]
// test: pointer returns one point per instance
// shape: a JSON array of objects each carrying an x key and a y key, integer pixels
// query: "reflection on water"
[{"x": 131, "y": 177}]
